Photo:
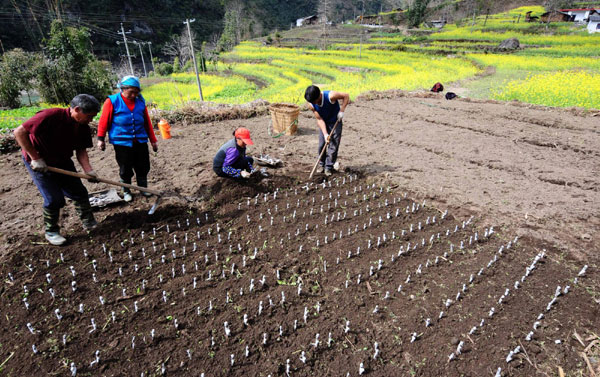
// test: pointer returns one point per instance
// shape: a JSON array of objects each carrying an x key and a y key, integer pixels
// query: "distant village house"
[
  {"x": 555, "y": 16},
  {"x": 580, "y": 15},
  {"x": 310, "y": 20},
  {"x": 594, "y": 24}
]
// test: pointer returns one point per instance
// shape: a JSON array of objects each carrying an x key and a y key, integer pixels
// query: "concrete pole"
[
  {"x": 151, "y": 58},
  {"x": 127, "y": 49},
  {"x": 187, "y": 22},
  {"x": 142, "y": 54}
]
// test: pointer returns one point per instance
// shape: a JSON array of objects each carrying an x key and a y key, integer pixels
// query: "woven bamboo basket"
[{"x": 284, "y": 117}]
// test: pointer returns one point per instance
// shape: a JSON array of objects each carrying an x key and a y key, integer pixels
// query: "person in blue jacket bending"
[
  {"x": 328, "y": 111},
  {"x": 231, "y": 160}
]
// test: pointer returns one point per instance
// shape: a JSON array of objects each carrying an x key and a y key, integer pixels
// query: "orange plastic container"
[{"x": 165, "y": 129}]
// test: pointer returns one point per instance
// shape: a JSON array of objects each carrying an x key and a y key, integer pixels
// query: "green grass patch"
[{"x": 10, "y": 119}]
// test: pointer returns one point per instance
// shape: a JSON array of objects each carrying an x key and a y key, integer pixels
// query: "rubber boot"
[
  {"x": 51, "y": 217},
  {"x": 127, "y": 196},
  {"x": 143, "y": 182},
  {"x": 84, "y": 210}
]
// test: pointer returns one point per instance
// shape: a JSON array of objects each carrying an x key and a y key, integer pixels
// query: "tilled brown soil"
[{"x": 363, "y": 247}]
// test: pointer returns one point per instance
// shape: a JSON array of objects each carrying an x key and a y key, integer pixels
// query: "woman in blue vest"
[
  {"x": 125, "y": 118},
  {"x": 231, "y": 160},
  {"x": 328, "y": 111}
]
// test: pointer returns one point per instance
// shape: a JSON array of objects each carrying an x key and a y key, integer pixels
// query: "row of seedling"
[
  {"x": 421, "y": 268},
  {"x": 559, "y": 291}
]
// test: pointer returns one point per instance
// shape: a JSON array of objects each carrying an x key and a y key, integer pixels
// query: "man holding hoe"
[
  {"x": 49, "y": 138},
  {"x": 329, "y": 113}
]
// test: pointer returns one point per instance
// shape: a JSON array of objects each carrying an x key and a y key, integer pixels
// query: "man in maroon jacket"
[{"x": 49, "y": 139}]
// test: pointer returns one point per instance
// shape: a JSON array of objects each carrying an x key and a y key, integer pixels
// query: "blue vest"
[
  {"x": 222, "y": 153},
  {"x": 127, "y": 125},
  {"x": 328, "y": 111}
]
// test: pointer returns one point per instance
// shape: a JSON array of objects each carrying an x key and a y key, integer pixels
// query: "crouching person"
[
  {"x": 49, "y": 139},
  {"x": 231, "y": 160}
]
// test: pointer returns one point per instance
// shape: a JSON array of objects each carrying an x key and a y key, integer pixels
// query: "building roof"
[
  {"x": 306, "y": 18},
  {"x": 595, "y": 18},
  {"x": 576, "y": 10}
]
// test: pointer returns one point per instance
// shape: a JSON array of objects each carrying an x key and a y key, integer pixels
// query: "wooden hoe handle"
[
  {"x": 104, "y": 180},
  {"x": 324, "y": 149}
]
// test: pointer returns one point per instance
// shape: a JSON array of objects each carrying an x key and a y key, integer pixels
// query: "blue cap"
[{"x": 129, "y": 81}]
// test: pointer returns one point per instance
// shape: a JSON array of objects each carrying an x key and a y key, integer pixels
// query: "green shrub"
[
  {"x": 16, "y": 73},
  {"x": 69, "y": 68},
  {"x": 164, "y": 69},
  {"x": 188, "y": 66}
]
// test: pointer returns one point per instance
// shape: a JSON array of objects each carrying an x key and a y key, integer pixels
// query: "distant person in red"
[
  {"x": 49, "y": 139},
  {"x": 125, "y": 118}
]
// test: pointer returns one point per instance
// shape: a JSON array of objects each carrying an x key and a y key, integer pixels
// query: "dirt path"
[{"x": 533, "y": 169}]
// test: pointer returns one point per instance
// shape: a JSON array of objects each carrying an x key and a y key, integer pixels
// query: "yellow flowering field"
[
  {"x": 564, "y": 89},
  {"x": 286, "y": 72},
  {"x": 520, "y": 62},
  {"x": 183, "y": 88},
  {"x": 394, "y": 61}
]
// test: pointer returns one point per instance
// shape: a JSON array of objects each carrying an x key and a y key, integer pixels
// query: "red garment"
[
  {"x": 107, "y": 114},
  {"x": 55, "y": 135}
]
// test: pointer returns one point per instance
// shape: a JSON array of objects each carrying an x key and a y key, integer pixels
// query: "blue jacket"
[
  {"x": 127, "y": 125},
  {"x": 328, "y": 111}
]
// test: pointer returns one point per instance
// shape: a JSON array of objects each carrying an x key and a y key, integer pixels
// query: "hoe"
[{"x": 159, "y": 194}]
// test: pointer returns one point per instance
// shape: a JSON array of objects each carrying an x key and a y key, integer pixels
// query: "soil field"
[{"x": 453, "y": 243}]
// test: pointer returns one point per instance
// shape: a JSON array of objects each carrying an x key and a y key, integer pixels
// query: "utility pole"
[
  {"x": 187, "y": 22},
  {"x": 126, "y": 47},
  {"x": 324, "y": 32},
  {"x": 362, "y": 16},
  {"x": 142, "y": 54},
  {"x": 151, "y": 58}
]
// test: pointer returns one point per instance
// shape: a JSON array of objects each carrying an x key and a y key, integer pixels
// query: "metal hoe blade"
[{"x": 155, "y": 205}]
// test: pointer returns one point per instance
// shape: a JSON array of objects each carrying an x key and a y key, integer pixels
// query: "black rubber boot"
[
  {"x": 127, "y": 196},
  {"x": 51, "y": 217},
  {"x": 84, "y": 210},
  {"x": 143, "y": 182}
]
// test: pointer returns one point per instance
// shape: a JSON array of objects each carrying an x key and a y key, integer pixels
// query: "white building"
[
  {"x": 581, "y": 15},
  {"x": 307, "y": 20},
  {"x": 594, "y": 24}
]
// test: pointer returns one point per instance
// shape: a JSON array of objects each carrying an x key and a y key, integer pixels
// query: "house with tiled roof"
[
  {"x": 581, "y": 14},
  {"x": 594, "y": 23}
]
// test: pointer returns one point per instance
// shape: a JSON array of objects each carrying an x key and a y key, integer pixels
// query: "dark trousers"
[
  {"x": 243, "y": 163},
  {"x": 330, "y": 156},
  {"x": 135, "y": 158},
  {"x": 54, "y": 187}
]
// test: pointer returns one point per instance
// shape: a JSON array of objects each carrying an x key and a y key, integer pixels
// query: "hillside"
[{"x": 25, "y": 24}]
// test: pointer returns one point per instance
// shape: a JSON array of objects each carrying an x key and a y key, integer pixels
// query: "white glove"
[
  {"x": 245, "y": 174},
  {"x": 340, "y": 115},
  {"x": 39, "y": 165}
]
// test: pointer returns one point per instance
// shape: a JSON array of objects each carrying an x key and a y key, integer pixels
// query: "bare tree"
[{"x": 179, "y": 46}]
